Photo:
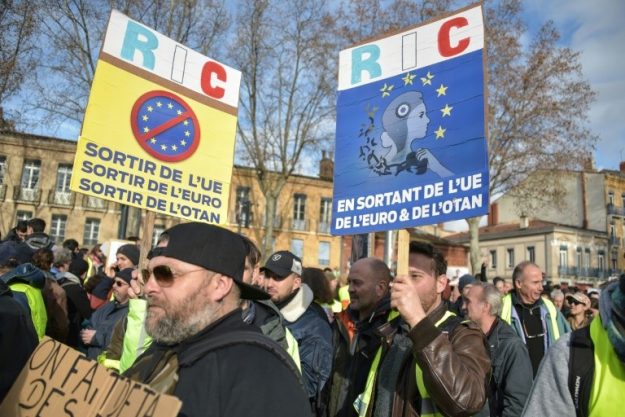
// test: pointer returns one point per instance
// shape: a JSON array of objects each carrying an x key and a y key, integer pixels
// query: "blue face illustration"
[{"x": 404, "y": 120}]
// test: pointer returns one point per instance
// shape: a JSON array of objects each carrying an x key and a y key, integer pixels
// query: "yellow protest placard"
[{"x": 160, "y": 126}]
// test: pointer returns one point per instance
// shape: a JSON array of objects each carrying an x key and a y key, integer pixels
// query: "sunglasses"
[
  {"x": 163, "y": 275},
  {"x": 574, "y": 301}
]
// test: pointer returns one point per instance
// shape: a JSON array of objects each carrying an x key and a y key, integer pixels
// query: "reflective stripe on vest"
[
  {"x": 136, "y": 339},
  {"x": 361, "y": 403},
  {"x": 428, "y": 408},
  {"x": 608, "y": 384},
  {"x": 37, "y": 306},
  {"x": 506, "y": 314},
  {"x": 292, "y": 348}
]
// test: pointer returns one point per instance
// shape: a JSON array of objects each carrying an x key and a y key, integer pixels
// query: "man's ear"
[
  {"x": 441, "y": 283},
  {"x": 221, "y": 286},
  {"x": 297, "y": 281},
  {"x": 381, "y": 287}
]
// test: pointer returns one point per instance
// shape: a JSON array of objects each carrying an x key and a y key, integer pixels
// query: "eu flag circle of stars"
[{"x": 165, "y": 126}]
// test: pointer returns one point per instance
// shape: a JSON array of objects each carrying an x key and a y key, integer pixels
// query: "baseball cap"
[
  {"x": 283, "y": 263},
  {"x": 579, "y": 297},
  {"x": 465, "y": 280},
  {"x": 213, "y": 248}
]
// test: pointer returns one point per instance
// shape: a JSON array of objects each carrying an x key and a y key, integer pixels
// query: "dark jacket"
[
  {"x": 18, "y": 338},
  {"x": 349, "y": 370},
  {"x": 512, "y": 371},
  {"x": 243, "y": 380},
  {"x": 103, "y": 321},
  {"x": 78, "y": 308},
  {"x": 308, "y": 323}
]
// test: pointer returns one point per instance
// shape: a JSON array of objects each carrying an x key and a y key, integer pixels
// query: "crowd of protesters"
[{"x": 208, "y": 321}]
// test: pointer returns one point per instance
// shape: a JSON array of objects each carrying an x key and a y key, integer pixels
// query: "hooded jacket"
[
  {"x": 78, "y": 308},
  {"x": 308, "y": 323}
]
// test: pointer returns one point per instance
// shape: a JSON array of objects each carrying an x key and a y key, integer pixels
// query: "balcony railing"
[
  {"x": 323, "y": 227},
  {"x": 614, "y": 210},
  {"x": 61, "y": 198},
  {"x": 94, "y": 203},
  {"x": 299, "y": 225},
  {"x": 27, "y": 195},
  {"x": 3, "y": 192},
  {"x": 574, "y": 271}
]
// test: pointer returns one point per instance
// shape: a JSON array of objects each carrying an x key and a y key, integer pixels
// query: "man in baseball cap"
[
  {"x": 305, "y": 319},
  {"x": 194, "y": 286}
]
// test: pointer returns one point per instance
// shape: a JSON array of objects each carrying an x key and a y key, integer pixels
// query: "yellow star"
[
  {"x": 186, "y": 122},
  {"x": 159, "y": 104},
  {"x": 183, "y": 142},
  {"x": 408, "y": 78},
  {"x": 174, "y": 147},
  {"x": 386, "y": 90},
  {"x": 153, "y": 140},
  {"x": 150, "y": 108},
  {"x": 442, "y": 90},
  {"x": 171, "y": 106},
  {"x": 427, "y": 80},
  {"x": 164, "y": 147},
  {"x": 440, "y": 132},
  {"x": 187, "y": 133},
  {"x": 146, "y": 129},
  {"x": 179, "y": 112},
  {"x": 145, "y": 117},
  {"x": 446, "y": 110}
]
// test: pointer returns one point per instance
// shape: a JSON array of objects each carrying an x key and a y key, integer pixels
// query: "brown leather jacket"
[{"x": 456, "y": 368}]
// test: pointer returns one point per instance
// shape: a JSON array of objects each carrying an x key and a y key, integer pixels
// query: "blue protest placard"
[{"x": 410, "y": 134}]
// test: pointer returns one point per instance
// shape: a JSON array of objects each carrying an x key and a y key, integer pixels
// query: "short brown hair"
[{"x": 439, "y": 262}]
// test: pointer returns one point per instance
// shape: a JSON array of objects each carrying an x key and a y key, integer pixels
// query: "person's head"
[
  {"x": 283, "y": 275},
  {"x": 557, "y": 296},
  {"x": 482, "y": 303},
  {"x": 72, "y": 245},
  {"x": 79, "y": 268},
  {"x": 195, "y": 280},
  {"x": 579, "y": 304},
  {"x": 368, "y": 282},
  {"x": 528, "y": 281},
  {"x": 121, "y": 285},
  {"x": 251, "y": 275},
  {"x": 318, "y": 283},
  {"x": 332, "y": 280},
  {"x": 96, "y": 251},
  {"x": 428, "y": 267},
  {"x": 404, "y": 120},
  {"x": 465, "y": 282},
  {"x": 21, "y": 229},
  {"x": 43, "y": 259},
  {"x": 500, "y": 284},
  {"x": 127, "y": 256},
  {"x": 35, "y": 226},
  {"x": 594, "y": 307},
  {"x": 62, "y": 258}
]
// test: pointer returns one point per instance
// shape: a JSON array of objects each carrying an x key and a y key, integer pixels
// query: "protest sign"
[
  {"x": 159, "y": 128},
  {"x": 60, "y": 381},
  {"x": 410, "y": 130}
]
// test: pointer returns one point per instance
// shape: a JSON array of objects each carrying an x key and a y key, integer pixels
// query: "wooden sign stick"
[
  {"x": 146, "y": 236},
  {"x": 403, "y": 248}
]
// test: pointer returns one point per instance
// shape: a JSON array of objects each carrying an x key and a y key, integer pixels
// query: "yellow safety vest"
[
  {"x": 506, "y": 314},
  {"x": 292, "y": 348},
  {"x": 344, "y": 296},
  {"x": 36, "y": 304},
  {"x": 608, "y": 384}
]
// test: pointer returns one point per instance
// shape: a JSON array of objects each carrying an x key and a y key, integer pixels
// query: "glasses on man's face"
[
  {"x": 163, "y": 275},
  {"x": 573, "y": 301}
]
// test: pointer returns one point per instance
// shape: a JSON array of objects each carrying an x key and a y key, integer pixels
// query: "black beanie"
[
  {"x": 125, "y": 274},
  {"x": 130, "y": 251}
]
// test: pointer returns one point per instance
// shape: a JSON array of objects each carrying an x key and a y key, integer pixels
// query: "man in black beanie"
[
  {"x": 203, "y": 352},
  {"x": 104, "y": 319}
]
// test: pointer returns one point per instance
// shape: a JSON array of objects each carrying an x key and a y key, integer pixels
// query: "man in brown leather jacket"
[
  {"x": 430, "y": 361},
  {"x": 450, "y": 354}
]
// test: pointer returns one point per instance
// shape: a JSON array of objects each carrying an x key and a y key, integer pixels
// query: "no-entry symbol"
[{"x": 165, "y": 126}]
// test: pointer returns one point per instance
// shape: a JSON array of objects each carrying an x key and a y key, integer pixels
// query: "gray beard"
[{"x": 183, "y": 323}]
